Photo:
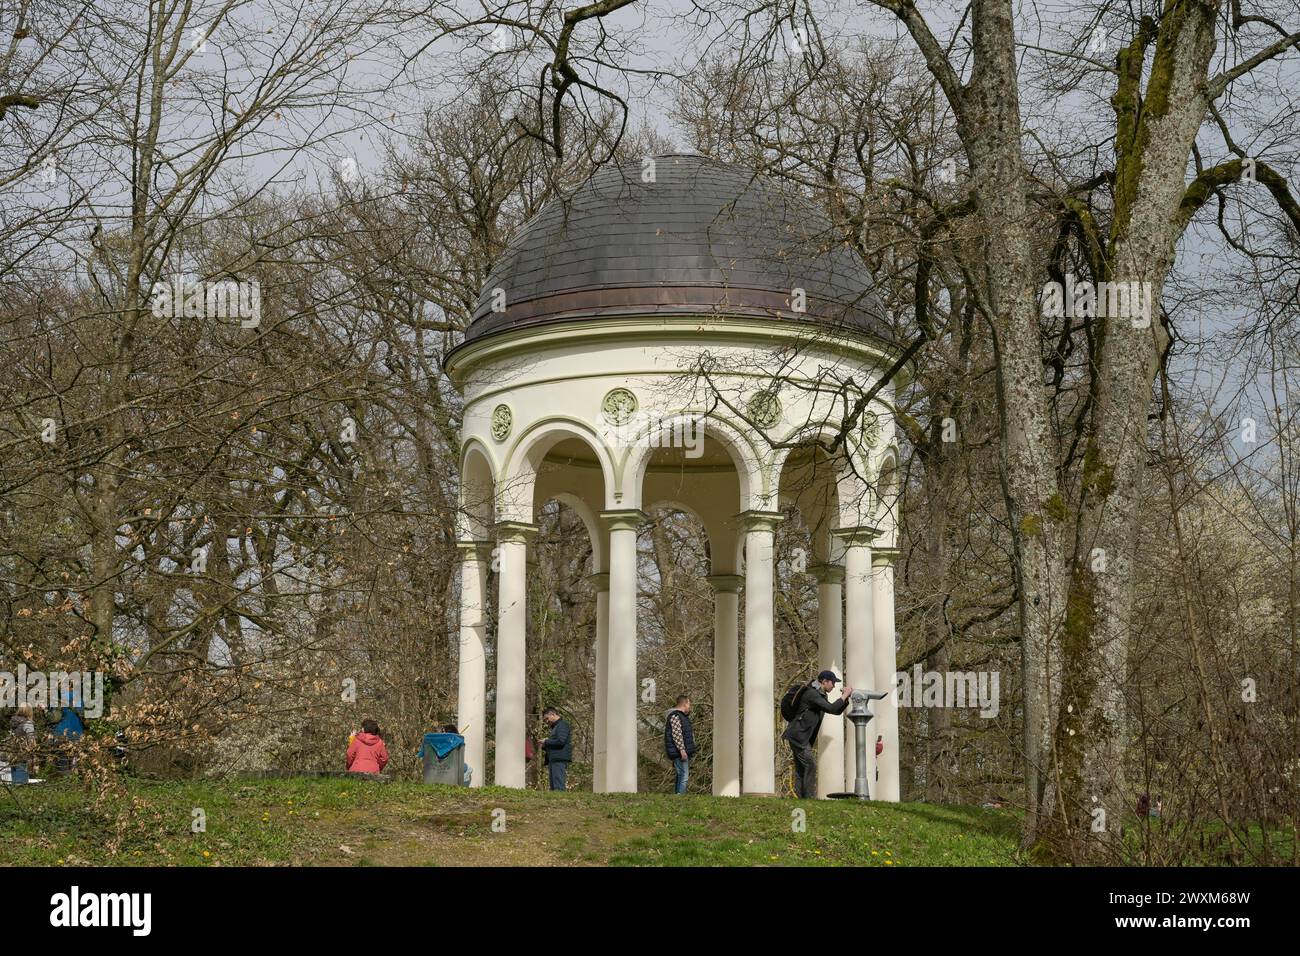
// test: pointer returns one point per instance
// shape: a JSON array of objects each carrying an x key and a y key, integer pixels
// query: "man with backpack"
[
  {"x": 679, "y": 740},
  {"x": 804, "y": 706}
]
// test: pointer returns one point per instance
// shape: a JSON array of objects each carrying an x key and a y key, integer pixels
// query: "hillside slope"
[{"x": 313, "y": 822}]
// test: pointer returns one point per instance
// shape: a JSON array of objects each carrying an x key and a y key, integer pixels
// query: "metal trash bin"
[{"x": 448, "y": 769}]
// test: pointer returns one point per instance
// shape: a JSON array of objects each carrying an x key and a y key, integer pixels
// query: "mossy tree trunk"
[
  {"x": 1074, "y": 529},
  {"x": 1155, "y": 129}
]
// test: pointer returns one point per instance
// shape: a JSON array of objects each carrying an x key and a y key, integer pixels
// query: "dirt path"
[{"x": 461, "y": 833}]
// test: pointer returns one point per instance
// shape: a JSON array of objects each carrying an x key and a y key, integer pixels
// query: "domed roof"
[{"x": 703, "y": 238}]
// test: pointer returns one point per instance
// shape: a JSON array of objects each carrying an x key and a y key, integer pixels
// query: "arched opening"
[
  {"x": 675, "y": 641},
  {"x": 547, "y": 497},
  {"x": 553, "y": 456},
  {"x": 562, "y": 632},
  {"x": 477, "y": 494},
  {"x": 809, "y": 602},
  {"x": 698, "y": 460},
  {"x": 690, "y": 573},
  {"x": 887, "y": 491}
]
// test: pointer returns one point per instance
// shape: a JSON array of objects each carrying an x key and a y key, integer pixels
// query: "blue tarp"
[{"x": 442, "y": 744}]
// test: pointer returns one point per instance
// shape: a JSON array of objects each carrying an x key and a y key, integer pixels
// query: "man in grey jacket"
[{"x": 802, "y": 731}]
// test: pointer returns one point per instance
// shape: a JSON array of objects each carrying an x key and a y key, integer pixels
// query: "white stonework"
[{"x": 545, "y": 417}]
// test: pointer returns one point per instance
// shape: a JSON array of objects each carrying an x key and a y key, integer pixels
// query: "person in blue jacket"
[
  {"x": 70, "y": 726},
  {"x": 68, "y": 729},
  {"x": 558, "y": 747}
]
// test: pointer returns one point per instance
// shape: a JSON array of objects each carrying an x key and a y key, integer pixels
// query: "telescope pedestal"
[{"x": 859, "y": 712}]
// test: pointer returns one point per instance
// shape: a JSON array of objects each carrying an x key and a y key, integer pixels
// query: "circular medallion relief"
[
  {"x": 870, "y": 428},
  {"x": 765, "y": 409},
  {"x": 502, "y": 421},
  {"x": 619, "y": 406}
]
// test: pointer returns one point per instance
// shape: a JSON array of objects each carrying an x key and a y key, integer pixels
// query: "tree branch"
[{"x": 1219, "y": 85}]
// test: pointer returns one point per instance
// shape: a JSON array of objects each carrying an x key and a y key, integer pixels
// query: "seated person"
[
  {"x": 67, "y": 730},
  {"x": 23, "y": 726},
  {"x": 366, "y": 752},
  {"x": 69, "y": 726}
]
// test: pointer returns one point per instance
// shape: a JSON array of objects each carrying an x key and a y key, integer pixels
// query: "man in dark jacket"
[
  {"x": 679, "y": 740},
  {"x": 558, "y": 747},
  {"x": 802, "y": 730}
]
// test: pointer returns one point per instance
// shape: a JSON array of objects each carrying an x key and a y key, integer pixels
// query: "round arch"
[
  {"x": 848, "y": 479},
  {"x": 516, "y": 490},
  {"x": 885, "y": 483},
  {"x": 754, "y": 485},
  {"x": 852, "y": 453},
  {"x": 810, "y": 484},
  {"x": 477, "y": 495},
  {"x": 590, "y": 520}
]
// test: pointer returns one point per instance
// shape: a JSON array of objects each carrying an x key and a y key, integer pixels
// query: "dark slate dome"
[{"x": 704, "y": 238}]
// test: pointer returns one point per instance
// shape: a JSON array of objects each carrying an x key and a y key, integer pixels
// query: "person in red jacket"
[{"x": 367, "y": 753}]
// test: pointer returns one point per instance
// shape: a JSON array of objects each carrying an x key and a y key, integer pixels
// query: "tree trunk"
[
  {"x": 990, "y": 129},
  {"x": 1155, "y": 137}
]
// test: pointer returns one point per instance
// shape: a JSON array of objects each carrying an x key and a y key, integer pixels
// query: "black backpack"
[{"x": 790, "y": 702}]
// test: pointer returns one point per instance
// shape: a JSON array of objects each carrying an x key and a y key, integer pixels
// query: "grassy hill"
[{"x": 341, "y": 822}]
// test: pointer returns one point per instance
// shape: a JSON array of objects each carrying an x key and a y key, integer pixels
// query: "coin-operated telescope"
[{"x": 859, "y": 711}]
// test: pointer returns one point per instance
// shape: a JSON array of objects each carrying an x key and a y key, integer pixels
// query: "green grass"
[{"x": 358, "y": 822}]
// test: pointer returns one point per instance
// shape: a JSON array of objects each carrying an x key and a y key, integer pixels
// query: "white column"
[
  {"x": 512, "y": 617},
  {"x": 601, "y": 584},
  {"x": 859, "y": 625},
  {"x": 886, "y": 664},
  {"x": 471, "y": 688},
  {"x": 726, "y": 684},
  {"x": 830, "y": 648},
  {"x": 621, "y": 734},
  {"x": 759, "y": 741}
]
